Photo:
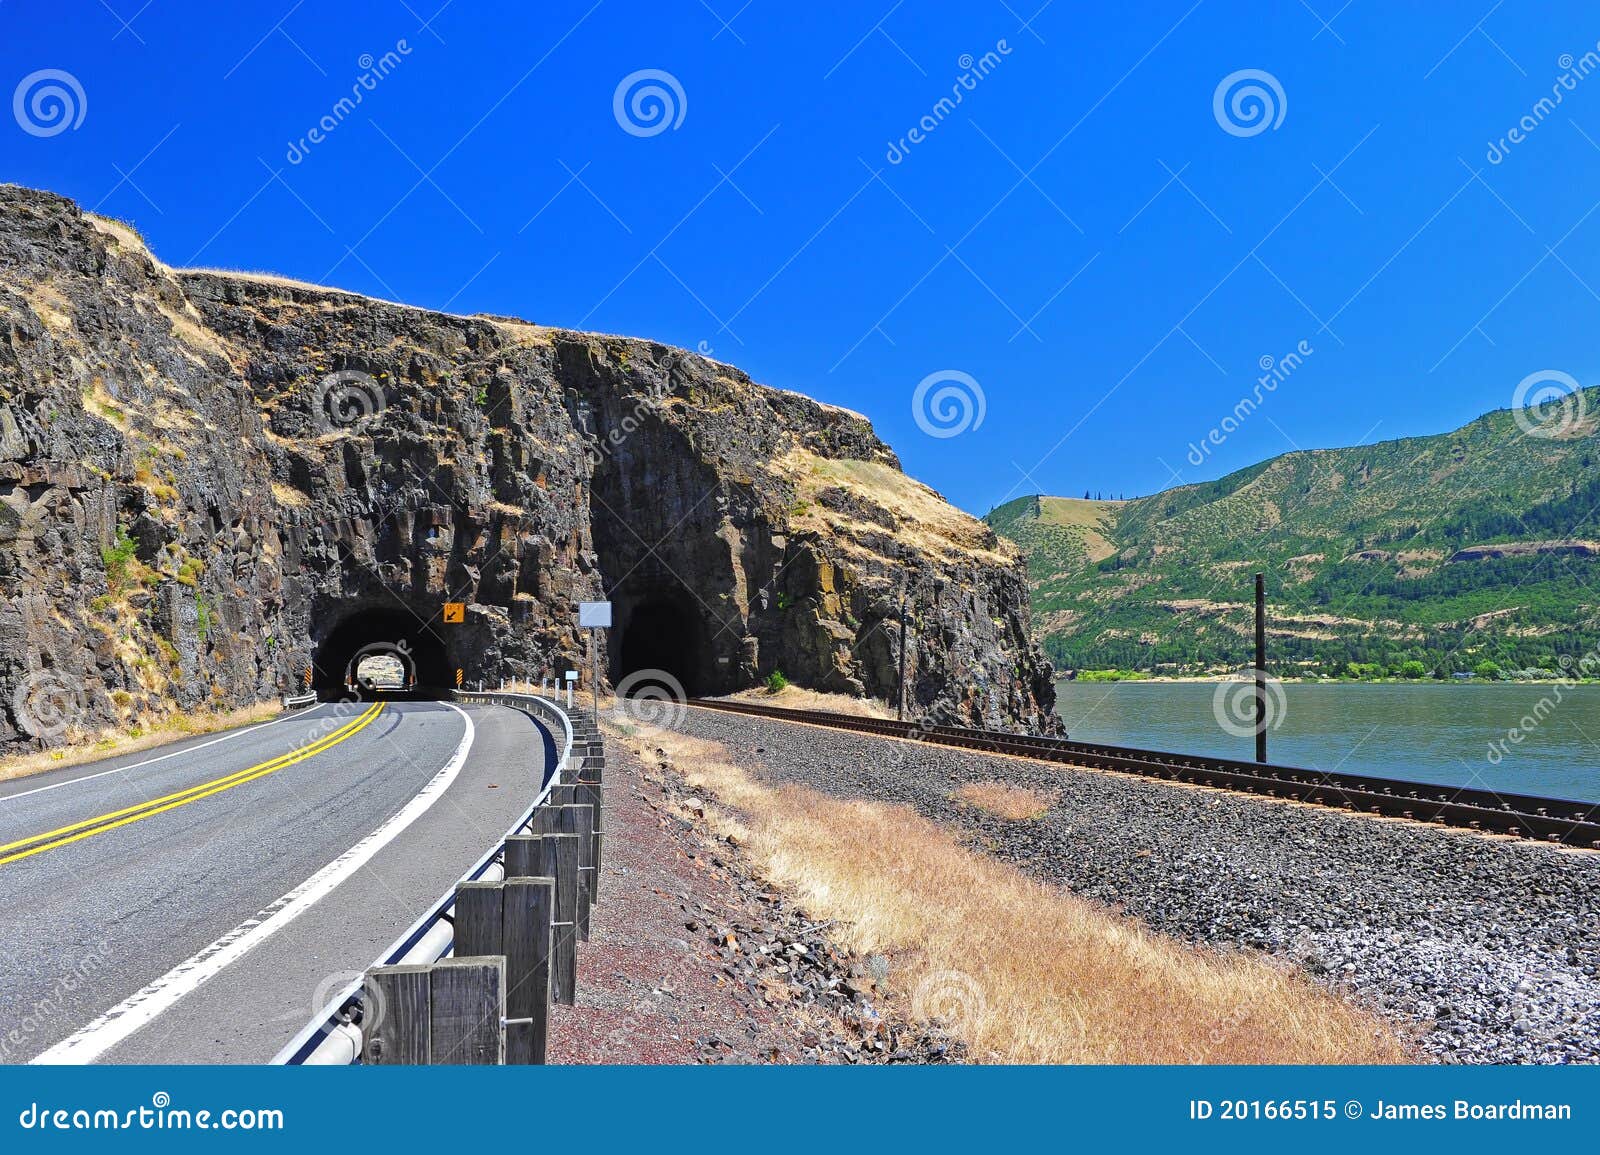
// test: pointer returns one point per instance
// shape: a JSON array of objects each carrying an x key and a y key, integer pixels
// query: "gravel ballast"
[{"x": 1489, "y": 947}]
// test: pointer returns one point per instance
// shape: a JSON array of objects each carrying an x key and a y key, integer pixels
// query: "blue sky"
[{"x": 1081, "y": 236}]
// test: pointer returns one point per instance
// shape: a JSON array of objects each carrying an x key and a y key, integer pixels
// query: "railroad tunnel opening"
[
  {"x": 661, "y": 637},
  {"x": 371, "y": 650}
]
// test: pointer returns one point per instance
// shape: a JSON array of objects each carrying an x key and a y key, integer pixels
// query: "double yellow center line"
[{"x": 62, "y": 836}]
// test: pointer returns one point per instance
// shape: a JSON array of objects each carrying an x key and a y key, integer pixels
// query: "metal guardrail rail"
[
  {"x": 334, "y": 1036},
  {"x": 1559, "y": 820}
]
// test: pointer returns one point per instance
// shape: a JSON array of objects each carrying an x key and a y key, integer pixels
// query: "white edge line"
[
  {"x": 152, "y": 761},
  {"x": 143, "y": 1007},
  {"x": 440, "y": 907}
]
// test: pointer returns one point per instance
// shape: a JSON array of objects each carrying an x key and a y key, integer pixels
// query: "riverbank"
[{"x": 1486, "y": 948}]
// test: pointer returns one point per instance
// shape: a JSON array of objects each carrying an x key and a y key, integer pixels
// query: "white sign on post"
[{"x": 594, "y": 616}]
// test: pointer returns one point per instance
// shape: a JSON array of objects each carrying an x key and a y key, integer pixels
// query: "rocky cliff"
[{"x": 216, "y": 487}]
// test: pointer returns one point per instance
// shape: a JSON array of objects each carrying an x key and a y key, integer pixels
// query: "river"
[{"x": 1457, "y": 735}]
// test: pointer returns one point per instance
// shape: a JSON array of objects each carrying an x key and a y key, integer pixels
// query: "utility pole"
[
  {"x": 1261, "y": 669},
  {"x": 900, "y": 697}
]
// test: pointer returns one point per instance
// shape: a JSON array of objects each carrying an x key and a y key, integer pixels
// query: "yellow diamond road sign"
[{"x": 455, "y": 611}]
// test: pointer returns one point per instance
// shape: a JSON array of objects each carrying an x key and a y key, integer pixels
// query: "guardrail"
[
  {"x": 472, "y": 980},
  {"x": 1559, "y": 820},
  {"x": 299, "y": 701}
]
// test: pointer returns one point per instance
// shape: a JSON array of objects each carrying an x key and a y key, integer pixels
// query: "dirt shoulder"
[{"x": 692, "y": 958}]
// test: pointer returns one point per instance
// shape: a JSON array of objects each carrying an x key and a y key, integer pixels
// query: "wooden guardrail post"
[
  {"x": 396, "y": 1009},
  {"x": 512, "y": 918},
  {"x": 450, "y": 1011},
  {"x": 468, "y": 997},
  {"x": 551, "y": 857},
  {"x": 529, "y": 918},
  {"x": 558, "y": 859},
  {"x": 591, "y": 792},
  {"x": 478, "y": 915},
  {"x": 579, "y": 821},
  {"x": 563, "y": 794}
]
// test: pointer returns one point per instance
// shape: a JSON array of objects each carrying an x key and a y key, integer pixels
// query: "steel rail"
[{"x": 1559, "y": 820}]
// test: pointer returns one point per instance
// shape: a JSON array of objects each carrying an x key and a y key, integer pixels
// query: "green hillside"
[{"x": 1452, "y": 550}]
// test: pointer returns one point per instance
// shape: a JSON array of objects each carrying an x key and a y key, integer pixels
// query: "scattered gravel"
[{"x": 1490, "y": 946}]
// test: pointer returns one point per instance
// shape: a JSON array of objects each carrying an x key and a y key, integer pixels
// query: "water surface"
[{"x": 1425, "y": 732}]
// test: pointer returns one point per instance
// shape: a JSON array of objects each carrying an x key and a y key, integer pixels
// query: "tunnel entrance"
[
  {"x": 380, "y": 651},
  {"x": 661, "y": 635}
]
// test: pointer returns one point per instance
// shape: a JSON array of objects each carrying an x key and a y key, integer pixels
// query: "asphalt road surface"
[{"x": 195, "y": 903}]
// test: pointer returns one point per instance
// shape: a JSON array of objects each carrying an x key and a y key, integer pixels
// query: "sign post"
[{"x": 594, "y": 617}]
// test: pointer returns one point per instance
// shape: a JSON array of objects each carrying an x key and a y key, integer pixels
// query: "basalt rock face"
[{"x": 212, "y": 484}]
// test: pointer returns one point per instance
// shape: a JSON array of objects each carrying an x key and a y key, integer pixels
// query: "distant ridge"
[{"x": 1478, "y": 545}]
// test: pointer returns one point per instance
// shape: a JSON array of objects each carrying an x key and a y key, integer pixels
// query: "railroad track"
[{"x": 1522, "y": 815}]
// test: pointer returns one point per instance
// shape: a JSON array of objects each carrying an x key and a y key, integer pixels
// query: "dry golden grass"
[
  {"x": 1005, "y": 799},
  {"x": 1092, "y": 517},
  {"x": 799, "y": 698},
  {"x": 124, "y": 234},
  {"x": 918, "y": 514},
  {"x": 289, "y": 496},
  {"x": 1021, "y": 971},
  {"x": 109, "y": 743}
]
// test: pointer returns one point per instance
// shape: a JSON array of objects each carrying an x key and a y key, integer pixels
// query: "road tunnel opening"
[
  {"x": 661, "y": 640},
  {"x": 384, "y": 667},
  {"x": 380, "y": 651}
]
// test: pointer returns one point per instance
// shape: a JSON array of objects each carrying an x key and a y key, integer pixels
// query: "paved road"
[{"x": 189, "y": 904}]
